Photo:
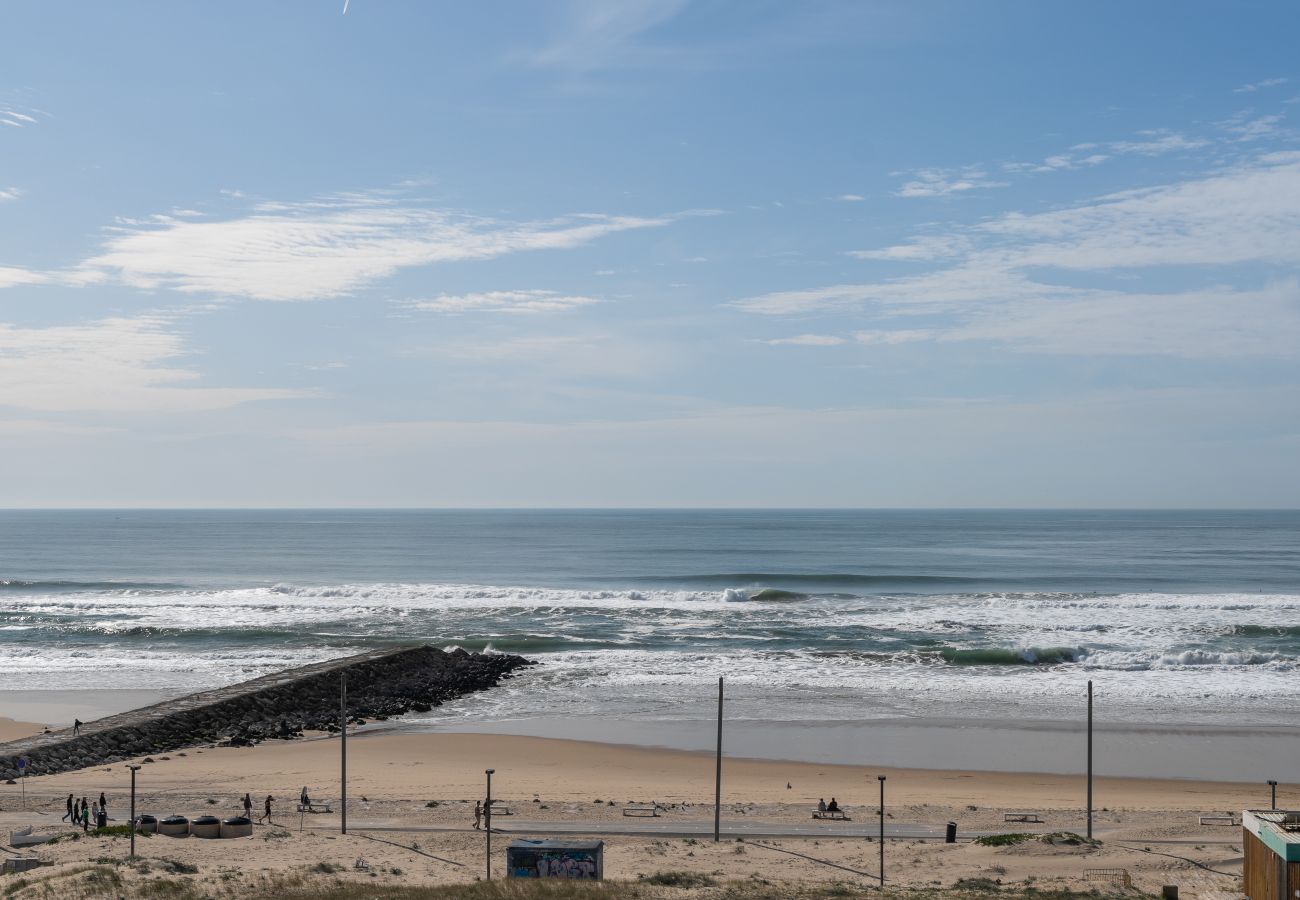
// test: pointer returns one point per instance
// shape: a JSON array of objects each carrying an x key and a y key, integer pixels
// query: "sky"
[{"x": 882, "y": 253}]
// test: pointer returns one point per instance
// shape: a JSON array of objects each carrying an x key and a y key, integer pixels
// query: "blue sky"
[{"x": 650, "y": 253}]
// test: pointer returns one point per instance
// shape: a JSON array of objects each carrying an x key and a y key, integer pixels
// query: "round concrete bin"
[
  {"x": 146, "y": 824},
  {"x": 236, "y": 826},
  {"x": 174, "y": 826},
  {"x": 205, "y": 827}
]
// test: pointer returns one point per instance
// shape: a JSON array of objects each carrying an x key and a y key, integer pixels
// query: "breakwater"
[{"x": 381, "y": 684}]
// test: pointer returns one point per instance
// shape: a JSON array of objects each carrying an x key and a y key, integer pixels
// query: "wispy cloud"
[
  {"x": 110, "y": 365},
  {"x": 1260, "y": 85},
  {"x": 997, "y": 284},
  {"x": 1246, "y": 126},
  {"x": 851, "y": 198},
  {"x": 14, "y": 116},
  {"x": 322, "y": 248},
  {"x": 11, "y": 276},
  {"x": 531, "y": 301},
  {"x": 9, "y": 194},
  {"x": 592, "y": 34},
  {"x": 808, "y": 340},
  {"x": 942, "y": 182}
]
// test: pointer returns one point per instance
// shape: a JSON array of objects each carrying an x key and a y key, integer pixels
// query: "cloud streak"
[
  {"x": 320, "y": 249},
  {"x": 120, "y": 365},
  {"x": 1005, "y": 280},
  {"x": 527, "y": 302}
]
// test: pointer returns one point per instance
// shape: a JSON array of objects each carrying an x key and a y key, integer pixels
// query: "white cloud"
[
  {"x": 895, "y": 336},
  {"x": 112, "y": 365},
  {"x": 311, "y": 250},
  {"x": 998, "y": 285},
  {"x": 809, "y": 340},
  {"x": 17, "y": 117},
  {"x": 1259, "y": 85},
  {"x": 11, "y": 276},
  {"x": 503, "y": 301},
  {"x": 918, "y": 249},
  {"x": 851, "y": 198},
  {"x": 942, "y": 182},
  {"x": 9, "y": 194}
]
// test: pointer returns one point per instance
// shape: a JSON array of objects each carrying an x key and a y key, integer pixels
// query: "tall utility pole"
[
  {"x": 882, "y": 829},
  {"x": 487, "y": 815},
  {"x": 717, "y": 777},
  {"x": 1089, "y": 759},
  {"x": 133, "y": 769},
  {"x": 343, "y": 749}
]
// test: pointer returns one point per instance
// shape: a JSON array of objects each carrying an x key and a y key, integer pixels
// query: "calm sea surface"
[{"x": 812, "y": 615}]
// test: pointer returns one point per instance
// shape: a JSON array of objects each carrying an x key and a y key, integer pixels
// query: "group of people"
[
  {"x": 823, "y": 807},
  {"x": 82, "y": 812},
  {"x": 247, "y": 803}
]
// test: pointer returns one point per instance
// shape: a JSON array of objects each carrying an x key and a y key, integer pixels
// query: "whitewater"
[{"x": 1176, "y": 617}]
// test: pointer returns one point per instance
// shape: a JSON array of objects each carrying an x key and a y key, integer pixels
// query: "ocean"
[{"x": 812, "y": 616}]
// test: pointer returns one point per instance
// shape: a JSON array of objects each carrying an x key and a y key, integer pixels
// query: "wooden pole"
[
  {"x": 1090, "y": 760},
  {"x": 343, "y": 750},
  {"x": 717, "y": 778},
  {"x": 487, "y": 814},
  {"x": 133, "y": 769},
  {"x": 882, "y": 829}
]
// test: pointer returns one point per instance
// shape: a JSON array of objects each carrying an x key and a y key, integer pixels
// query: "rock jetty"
[{"x": 381, "y": 684}]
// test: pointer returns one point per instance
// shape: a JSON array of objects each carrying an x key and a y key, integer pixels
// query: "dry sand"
[{"x": 394, "y": 776}]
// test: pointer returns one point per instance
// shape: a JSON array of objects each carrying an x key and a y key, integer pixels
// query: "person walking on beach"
[
  {"x": 103, "y": 804},
  {"x": 248, "y": 807},
  {"x": 85, "y": 815},
  {"x": 76, "y": 727},
  {"x": 267, "y": 816},
  {"x": 67, "y": 816},
  {"x": 478, "y": 814}
]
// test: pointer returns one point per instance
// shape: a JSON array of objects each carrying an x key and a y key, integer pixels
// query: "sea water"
[{"x": 812, "y": 616}]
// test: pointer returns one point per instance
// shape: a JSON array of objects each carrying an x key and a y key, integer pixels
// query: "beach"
[{"x": 419, "y": 788}]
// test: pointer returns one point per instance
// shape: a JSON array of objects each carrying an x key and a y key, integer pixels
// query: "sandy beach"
[{"x": 416, "y": 791}]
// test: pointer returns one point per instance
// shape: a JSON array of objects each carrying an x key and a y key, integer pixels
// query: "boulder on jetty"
[{"x": 380, "y": 684}]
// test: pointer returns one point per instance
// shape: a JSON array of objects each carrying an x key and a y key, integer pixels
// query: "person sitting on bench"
[
  {"x": 821, "y": 806},
  {"x": 832, "y": 807}
]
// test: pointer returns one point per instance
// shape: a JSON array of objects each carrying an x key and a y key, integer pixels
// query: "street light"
[
  {"x": 1272, "y": 786},
  {"x": 133, "y": 769},
  {"x": 487, "y": 812}
]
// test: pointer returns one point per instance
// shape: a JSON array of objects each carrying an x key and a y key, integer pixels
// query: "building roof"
[
  {"x": 526, "y": 844},
  {"x": 1278, "y": 829}
]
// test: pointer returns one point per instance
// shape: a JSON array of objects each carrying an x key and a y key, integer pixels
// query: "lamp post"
[
  {"x": 882, "y": 829},
  {"x": 133, "y": 769},
  {"x": 1272, "y": 786},
  {"x": 487, "y": 815}
]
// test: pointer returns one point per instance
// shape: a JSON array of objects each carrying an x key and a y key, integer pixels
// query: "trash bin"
[
  {"x": 950, "y": 835},
  {"x": 146, "y": 824}
]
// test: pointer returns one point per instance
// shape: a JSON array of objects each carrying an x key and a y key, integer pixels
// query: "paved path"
[{"x": 696, "y": 829}]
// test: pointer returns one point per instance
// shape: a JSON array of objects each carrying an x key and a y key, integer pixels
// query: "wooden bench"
[
  {"x": 499, "y": 808},
  {"x": 837, "y": 815},
  {"x": 1022, "y": 817},
  {"x": 641, "y": 809},
  {"x": 1218, "y": 820},
  {"x": 316, "y": 806}
]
